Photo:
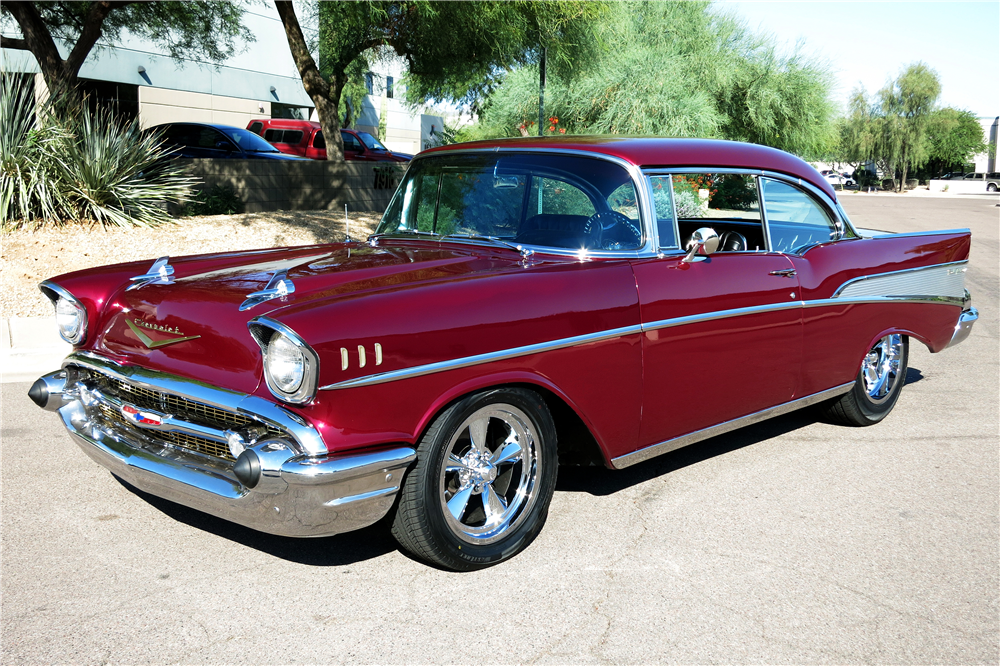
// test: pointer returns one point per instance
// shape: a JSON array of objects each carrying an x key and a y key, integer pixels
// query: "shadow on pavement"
[
  {"x": 602, "y": 481},
  {"x": 340, "y": 550}
]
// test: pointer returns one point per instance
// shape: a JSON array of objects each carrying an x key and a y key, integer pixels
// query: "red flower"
[
  {"x": 552, "y": 128},
  {"x": 562, "y": 130}
]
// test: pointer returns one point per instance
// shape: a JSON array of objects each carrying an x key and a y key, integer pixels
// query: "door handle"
[{"x": 788, "y": 273}]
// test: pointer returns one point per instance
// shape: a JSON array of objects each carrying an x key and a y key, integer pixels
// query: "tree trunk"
[
  {"x": 325, "y": 95},
  {"x": 61, "y": 76}
]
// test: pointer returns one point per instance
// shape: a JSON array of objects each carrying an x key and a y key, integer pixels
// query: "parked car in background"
[
  {"x": 953, "y": 175},
  {"x": 990, "y": 180},
  {"x": 524, "y": 304},
  {"x": 839, "y": 179},
  {"x": 213, "y": 140},
  {"x": 305, "y": 138}
]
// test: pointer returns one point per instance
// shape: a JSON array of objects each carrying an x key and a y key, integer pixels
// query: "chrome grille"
[
  {"x": 182, "y": 408},
  {"x": 208, "y": 447}
]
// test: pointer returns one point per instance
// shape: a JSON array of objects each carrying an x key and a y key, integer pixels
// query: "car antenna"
[{"x": 347, "y": 224}]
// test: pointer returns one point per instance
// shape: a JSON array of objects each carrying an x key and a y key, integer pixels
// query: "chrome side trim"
[
  {"x": 910, "y": 234},
  {"x": 307, "y": 437},
  {"x": 504, "y": 354},
  {"x": 947, "y": 280},
  {"x": 479, "y": 359},
  {"x": 669, "y": 445}
]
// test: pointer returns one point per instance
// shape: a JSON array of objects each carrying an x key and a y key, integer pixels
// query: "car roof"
[
  {"x": 219, "y": 126},
  {"x": 661, "y": 152},
  {"x": 286, "y": 123}
]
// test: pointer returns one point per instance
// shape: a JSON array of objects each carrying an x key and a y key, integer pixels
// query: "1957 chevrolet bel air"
[{"x": 523, "y": 304}]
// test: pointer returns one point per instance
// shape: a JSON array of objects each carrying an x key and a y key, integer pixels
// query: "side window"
[
  {"x": 351, "y": 142},
  {"x": 273, "y": 135},
  {"x": 319, "y": 143},
  {"x": 725, "y": 202},
  {"x": 663, "y": 208},
  {"x": 794, "y": 219},
  {"x": 293, "y": 137},
  {"x": 256, "y": 127},
  {"x": 210, "y": 138}
]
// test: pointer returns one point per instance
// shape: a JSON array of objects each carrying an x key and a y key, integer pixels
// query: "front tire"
[
  {"x": 879, "y": 383},
  {"x": 485, "y": 473}
]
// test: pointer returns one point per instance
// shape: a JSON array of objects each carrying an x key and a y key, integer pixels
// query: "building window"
[
  {"x": 388, "y": 87},
  {"x": 370, "y": 83}
]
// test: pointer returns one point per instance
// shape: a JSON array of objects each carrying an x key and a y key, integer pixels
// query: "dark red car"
[
  {"x": 524, "y": 304},
  {"x": 305, "y": 139}
]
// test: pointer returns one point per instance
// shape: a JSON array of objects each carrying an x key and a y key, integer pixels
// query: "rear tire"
[
  {"x": 879, "y": 383},
  {"x": 485, "y": 474}
]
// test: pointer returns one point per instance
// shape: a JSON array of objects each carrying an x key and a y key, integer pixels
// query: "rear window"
[{"x": 293, "y": 137}]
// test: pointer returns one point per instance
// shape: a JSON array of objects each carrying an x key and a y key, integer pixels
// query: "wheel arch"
[{"x": 577, "y": 440}]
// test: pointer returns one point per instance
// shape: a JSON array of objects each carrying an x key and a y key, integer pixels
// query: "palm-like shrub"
[{"x": 68, "y": 163}]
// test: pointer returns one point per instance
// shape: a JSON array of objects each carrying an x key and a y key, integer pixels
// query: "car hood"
[{"x": 196, "y": 325}]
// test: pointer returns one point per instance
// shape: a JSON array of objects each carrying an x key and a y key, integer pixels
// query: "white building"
[{"x": 260, "y": 82}]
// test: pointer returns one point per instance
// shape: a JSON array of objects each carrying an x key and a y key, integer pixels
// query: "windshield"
[
  {"x": 371, "y": 142},
  {"x": 558, "y": 201},
  {"x": 248, "y": 141}
]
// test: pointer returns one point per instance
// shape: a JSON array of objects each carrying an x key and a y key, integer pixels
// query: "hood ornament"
[
  {"x": 160, "y": 272},
  {"x": 137, "y": 325},
  {"x": 279, "y": 285}
]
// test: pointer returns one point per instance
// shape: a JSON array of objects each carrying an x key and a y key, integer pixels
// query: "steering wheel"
[{"x": 610, "y": 230}]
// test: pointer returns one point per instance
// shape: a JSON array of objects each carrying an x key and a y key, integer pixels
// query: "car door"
[
  {"x": 353, "y": 149},
  {"x": 721, "y": 334},
  {"x": 211, "y": 143}
]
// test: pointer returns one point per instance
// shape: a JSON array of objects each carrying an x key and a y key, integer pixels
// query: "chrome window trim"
[
  {"x": 526, "y": 350},
  {"x": 54, "y": 292},
  {"x": 675, "y": 443},
  {"x": 307, "y": 437},
  {"x": 307, "y": 391},
  {"x": 647, "y": 249}
]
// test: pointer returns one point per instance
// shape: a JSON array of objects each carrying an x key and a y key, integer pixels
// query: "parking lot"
[{"x": 791, "y": 541}]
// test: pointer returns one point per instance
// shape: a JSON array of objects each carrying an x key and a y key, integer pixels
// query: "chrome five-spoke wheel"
[
  {"x": 485, "y": 473},
  {"x": 489, "y": 476},
  {"x": 880, "y": 370},
  {"x": 881, "y": 378}
]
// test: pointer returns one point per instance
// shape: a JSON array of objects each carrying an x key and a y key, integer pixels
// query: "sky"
[{"x": 869, "y": 43}]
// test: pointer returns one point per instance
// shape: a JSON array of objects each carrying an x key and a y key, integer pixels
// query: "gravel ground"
[{"x": 28, "y": 257}]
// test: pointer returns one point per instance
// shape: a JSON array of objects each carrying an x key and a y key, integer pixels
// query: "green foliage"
[
  {"x": 85, "y": 166},
  {"x": 734, "y": 192},
  {"x": 673, "y": 69},
  {"x": 214, "y": 200},
  {"x": 894, "y": 129},
  {"x": 954, "y": 137}
]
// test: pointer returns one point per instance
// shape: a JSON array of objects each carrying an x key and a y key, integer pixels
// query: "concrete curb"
[{"x": 30, "y": 347}]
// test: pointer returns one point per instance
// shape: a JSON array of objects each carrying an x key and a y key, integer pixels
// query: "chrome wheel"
[
  {"x": 488, "y": 477},
  {"x": 881, "y": 368}
]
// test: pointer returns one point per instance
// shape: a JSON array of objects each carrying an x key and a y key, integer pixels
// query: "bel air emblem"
[{"x": 148, "y": 341}]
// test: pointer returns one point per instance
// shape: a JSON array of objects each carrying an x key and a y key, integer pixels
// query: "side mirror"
[
  {"x": 224, "y": 145},
  {"x": 704, "y": 240}
]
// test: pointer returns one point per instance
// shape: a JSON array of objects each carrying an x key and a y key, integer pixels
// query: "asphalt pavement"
[{"x": 791, "y": 541}]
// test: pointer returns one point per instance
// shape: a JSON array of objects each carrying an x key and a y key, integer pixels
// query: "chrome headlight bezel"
[
  {"x": 77, "y": 334},
  {"x": 266, "y": 331}
]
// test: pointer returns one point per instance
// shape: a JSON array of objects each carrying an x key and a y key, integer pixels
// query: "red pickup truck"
[{"x": 305, "y": 138}]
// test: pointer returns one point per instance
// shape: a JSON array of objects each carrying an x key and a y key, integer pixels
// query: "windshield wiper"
[{"x": 524, "y": 252}]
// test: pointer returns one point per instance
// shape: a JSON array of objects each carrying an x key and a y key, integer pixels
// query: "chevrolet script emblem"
[{"x": 148, "y": 341}]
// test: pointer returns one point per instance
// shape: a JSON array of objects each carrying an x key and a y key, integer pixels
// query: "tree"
[
  {"x": 675, "y": 69},
  {"x": 954, "y": 137},
  {"x": 893, "y": 129},
  {"x": 906, "y": 105},
  {"x": 208, "y": 29},
  {"x": 454, "y": 50}
]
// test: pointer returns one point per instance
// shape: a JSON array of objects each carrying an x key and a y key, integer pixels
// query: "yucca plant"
[
  {"x": 64, "y": 163},
  {"x": 28, "y": 190},
  {"x": 114, "y": 173}
]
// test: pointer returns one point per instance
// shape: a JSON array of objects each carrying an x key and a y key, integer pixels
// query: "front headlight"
[
  {"x": 291, "y": 367},
  {"x": 286, "y": 364},
  {"x": 71, "y": 316}
]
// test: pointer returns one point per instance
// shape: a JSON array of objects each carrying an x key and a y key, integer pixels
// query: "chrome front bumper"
[{"x": 298, "y": 493}]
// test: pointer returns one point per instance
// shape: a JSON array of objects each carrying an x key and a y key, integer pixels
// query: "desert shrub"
[
  {"x": 68, "y": 163},
  {"x": 214, "y": 200}
]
